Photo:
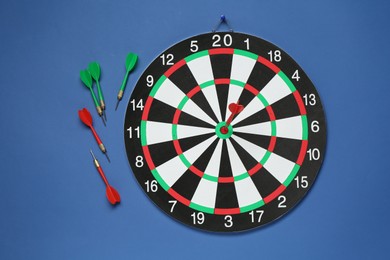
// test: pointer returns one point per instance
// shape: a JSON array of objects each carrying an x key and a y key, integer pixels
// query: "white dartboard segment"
[
  {"x": 238, "y": 167},
  {"x": 247, "y": 192},
  {"x": 169, "y": 93},
  {"x": 205, "y": 193},
  {"x": 263, "y": 128},
  {"x": 290, "y": 127},
  {"x": 211, "y": 96},
  {"x": 275, "y": 90},
  {"x": 193, "y": 109},
  {"x": 213, "y": 165},
  {"x": 172, "y": 170},
  {"x": 242, "y": 67},
  {"x": 201, "y": 69},
  {"x": 255, "y": 151},
  {"x": 184, "y": 131},
  {"x": 279, "y": 167},
  {"x": 157, "y": 132},
  {"x": 192, "y": 154}
]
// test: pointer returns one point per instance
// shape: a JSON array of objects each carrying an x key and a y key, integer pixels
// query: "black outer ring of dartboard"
[{"x": 242, "y": 221}]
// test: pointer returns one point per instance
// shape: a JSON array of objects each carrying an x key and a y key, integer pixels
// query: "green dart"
[
  {"x": 131, "y": 60},
  {"x": 86, "y": 78},
  {"x": 94, "y": 70}
]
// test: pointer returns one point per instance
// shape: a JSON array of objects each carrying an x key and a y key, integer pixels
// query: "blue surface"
[{"x": 52, "y": 199}]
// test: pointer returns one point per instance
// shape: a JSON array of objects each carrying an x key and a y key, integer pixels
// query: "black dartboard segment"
[{"x": 212, "y": 173}]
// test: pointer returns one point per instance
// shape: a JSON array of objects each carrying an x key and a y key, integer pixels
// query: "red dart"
[
  {"x": 86, "y": 118},
  {"x": 235, "y": 109},
  {"x": 112, "y": 195}
]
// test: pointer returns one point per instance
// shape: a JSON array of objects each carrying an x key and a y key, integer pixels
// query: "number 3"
[{"x": 228, "y": 221}]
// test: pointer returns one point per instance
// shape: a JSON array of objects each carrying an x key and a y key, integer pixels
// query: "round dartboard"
[{"x": 225, "y": 132}]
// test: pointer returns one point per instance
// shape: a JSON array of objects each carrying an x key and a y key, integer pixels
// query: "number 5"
[{"x": 194, "y": 46}]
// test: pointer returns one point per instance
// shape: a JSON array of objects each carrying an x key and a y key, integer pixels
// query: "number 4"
[{"x": 296, "y": 75}]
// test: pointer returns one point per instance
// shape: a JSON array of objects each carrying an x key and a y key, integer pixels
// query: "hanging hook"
[{"x": 221, "y": 21}]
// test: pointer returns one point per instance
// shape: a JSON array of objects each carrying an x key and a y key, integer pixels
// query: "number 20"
[{"x": 227, "y": 40}]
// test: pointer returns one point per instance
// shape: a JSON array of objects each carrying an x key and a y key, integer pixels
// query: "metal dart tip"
[
  {"x": 117, "y": 103},
  {"x": 93, "y": 156},
  {"x": 108, "y": 158},
  {"x": 104, "y": 114},
  {"x": 104, "y": 122}
]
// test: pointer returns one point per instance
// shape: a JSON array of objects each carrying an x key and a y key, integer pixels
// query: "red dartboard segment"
[
  {"x": 176, "y": 117},
  {"x": 221, "y": 51},
  {"x": 177, "y": 146},
  {"x": 274, "y": 194},
  {"x": 222, "y": 81},
  {"x": 225, "y": 179},
  {"x": 179, "y": 197},
  {"x": 271, "y": 113},
  {"x": 148, "y": 103},
  {"x": 174, "y": 67},
  {"x": 196, "y": 190},
  {"x": 196, "y": 171},
  {"x": 272, "y": 144},
  {"x": 302, "y": 152},
  {"x": 251, "y": 89},
  {"x": 255, "y": 169},
  {"x": 193, "y": 91},
  {"x": 269, "y": 64},
  {"x": 301, "y": 105},
  {"x": 222, "y": 211},
  {"x": 148, "y": 158}
]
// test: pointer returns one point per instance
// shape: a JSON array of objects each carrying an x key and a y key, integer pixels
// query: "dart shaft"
[
  {"x": 124, "y": 82},
  {"x": 100, "y": 93},
  {"x": 97, "y": 138},
  {"x": 100, "y": 170},
  {"x": 94, "y": 98},
  {"x": 230, "y": 119}
]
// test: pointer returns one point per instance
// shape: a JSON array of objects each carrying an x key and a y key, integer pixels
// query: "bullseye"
[{"x": 224, "y": 130}]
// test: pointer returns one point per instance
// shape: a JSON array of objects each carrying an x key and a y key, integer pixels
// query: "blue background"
[{"x": 53, "y": 204}]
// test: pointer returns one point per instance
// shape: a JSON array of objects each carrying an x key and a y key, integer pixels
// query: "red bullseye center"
[{"x": 224, "y": 130}]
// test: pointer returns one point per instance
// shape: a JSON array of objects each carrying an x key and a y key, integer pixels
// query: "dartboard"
[{"x": 225, "y": 132}]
